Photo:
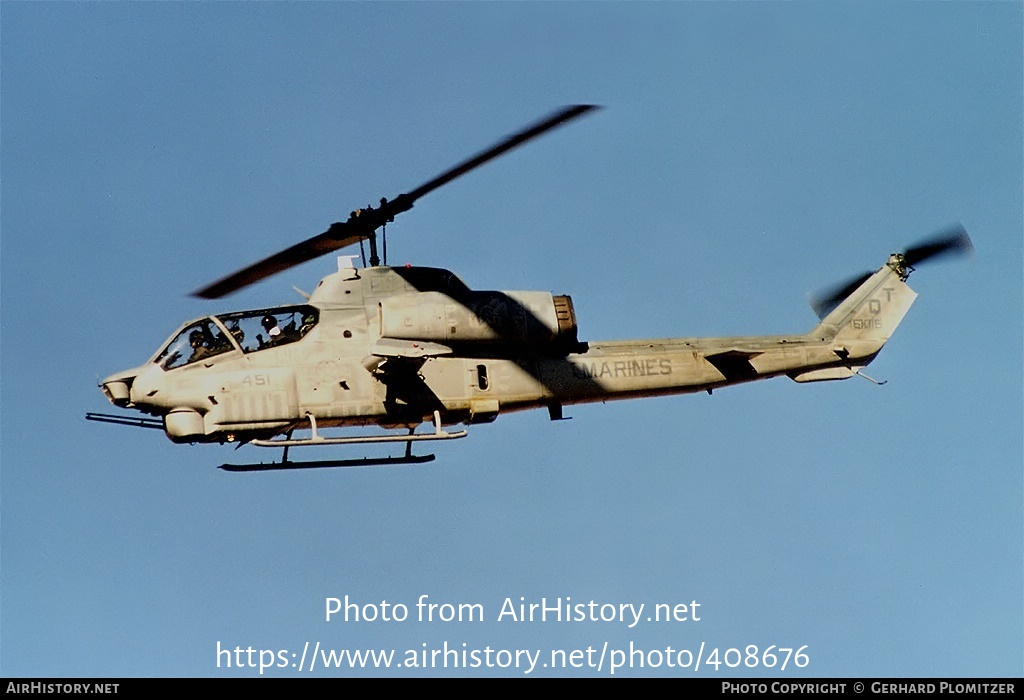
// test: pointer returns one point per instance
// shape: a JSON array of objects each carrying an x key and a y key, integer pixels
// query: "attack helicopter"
[{"x": 398, "y": 347}]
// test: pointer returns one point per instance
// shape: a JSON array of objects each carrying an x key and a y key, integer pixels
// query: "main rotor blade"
[
  {"x": 558, "y": 118},
  {"x": 954, "y": 240},
  {"x": 362, "y": 223},
  {"x": 331, "y": 239}
]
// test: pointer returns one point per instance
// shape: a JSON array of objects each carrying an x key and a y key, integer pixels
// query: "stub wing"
[{"x": 408, "y": 349}]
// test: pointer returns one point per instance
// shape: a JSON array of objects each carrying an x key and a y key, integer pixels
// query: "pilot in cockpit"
[
  {"x": 236, "y": 331},
  {"x": 200, "y": 349}
]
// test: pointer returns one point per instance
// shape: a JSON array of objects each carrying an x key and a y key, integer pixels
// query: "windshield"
[
  {"x": 246, "y": 330},
  {"x": 198, "y": 341}
]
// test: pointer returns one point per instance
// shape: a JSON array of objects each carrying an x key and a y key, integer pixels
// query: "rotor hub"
[{"x": 898, "y": 264}]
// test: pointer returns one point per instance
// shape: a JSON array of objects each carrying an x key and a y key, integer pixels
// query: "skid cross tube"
[{"x": 317, "y": 439}]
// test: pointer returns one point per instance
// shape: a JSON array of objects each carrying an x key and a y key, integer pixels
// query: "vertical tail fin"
[
  {"x": 865, "y": 319},
  {"x": 857, "y": 318}
]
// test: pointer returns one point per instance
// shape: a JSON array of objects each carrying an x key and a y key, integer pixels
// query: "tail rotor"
[{"x": 951, "y": 241}]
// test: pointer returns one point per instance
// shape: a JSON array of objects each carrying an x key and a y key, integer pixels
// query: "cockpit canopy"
[{"x": 248, "y": 331}]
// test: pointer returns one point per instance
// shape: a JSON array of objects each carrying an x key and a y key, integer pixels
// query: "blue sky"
[{"x": 747, "y": 154}]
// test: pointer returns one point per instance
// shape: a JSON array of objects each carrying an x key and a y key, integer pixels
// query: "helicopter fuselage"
[{"x": 393, "y": 347}]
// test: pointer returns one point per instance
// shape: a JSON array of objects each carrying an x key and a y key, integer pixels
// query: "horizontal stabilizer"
[{"x": 734, "y": 364}]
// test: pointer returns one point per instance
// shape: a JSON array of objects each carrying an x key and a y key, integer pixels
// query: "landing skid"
[
  {"x": 317, "y": 439},
  {"x": 364, "y": 462}
]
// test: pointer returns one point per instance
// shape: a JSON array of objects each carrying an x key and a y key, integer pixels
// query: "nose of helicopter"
[
  {"x": 117, "y": 391},
  {"x": 118, "y": 387}
]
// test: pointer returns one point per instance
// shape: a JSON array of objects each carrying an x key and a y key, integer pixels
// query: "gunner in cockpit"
[{"x": 269, "y": 324}]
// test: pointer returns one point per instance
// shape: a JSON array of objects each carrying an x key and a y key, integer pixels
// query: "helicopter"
[{"x": 400, "y": 347}]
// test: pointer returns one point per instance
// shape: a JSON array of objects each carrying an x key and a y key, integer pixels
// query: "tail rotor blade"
[
  {"x": 950, "y": 242},
  {"x": 825, "y": 301}
]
